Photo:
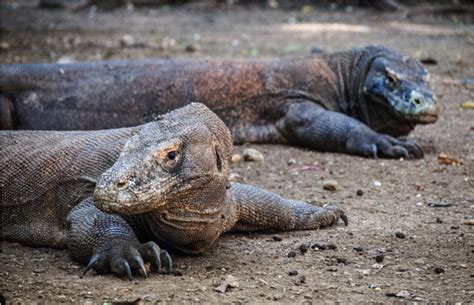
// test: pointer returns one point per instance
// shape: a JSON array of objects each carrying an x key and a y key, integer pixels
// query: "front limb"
[
  {"x": 108, "y": 243},
  {"x": 258, "y": 210},
  {"x": 309, "y": 125}
]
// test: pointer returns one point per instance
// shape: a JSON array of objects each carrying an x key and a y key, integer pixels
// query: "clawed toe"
[{"x": 124, "y": 259}]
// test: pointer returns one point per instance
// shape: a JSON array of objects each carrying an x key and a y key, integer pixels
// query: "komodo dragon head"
[
  {"x": 181, "y": 158},
  {"x": 398, "y": 85}
]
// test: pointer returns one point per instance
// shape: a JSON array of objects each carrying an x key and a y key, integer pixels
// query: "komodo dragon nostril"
[{"x": 416, "y": 101}]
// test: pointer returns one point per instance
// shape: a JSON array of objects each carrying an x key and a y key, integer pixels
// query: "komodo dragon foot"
[{"x": 124, "y": 256}]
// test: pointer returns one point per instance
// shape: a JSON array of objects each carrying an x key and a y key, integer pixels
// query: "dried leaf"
[
  {"x": 448, "y": 160},
  {"x": 468, "y": 105},
  {"x": 229, "y": 282}
]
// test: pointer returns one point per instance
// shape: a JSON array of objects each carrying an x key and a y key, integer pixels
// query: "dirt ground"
[{"x": 432, "y": 263}]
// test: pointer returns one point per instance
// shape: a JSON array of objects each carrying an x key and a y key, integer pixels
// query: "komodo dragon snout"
[
  {"x": 401, "y": 84},
  {"x": 153, "y": 171}
]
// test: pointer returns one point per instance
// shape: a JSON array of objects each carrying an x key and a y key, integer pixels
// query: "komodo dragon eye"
[
  {"x": 392, "y": 79},
  {"x": 171, "y": 155}
]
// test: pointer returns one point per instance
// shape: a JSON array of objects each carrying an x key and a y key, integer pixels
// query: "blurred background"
[{"x": 67, "y": 30}]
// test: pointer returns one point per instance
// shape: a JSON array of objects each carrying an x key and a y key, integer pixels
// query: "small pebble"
[
  {"x": 304, "y": 248},
  {"x": 291, "y": 161},
  {"x": 292, "y": 253},
  {"x": 300, "y": 280},
  {"x": 192, "y": 48},
  {"x": 330, "y": 185},
  {"x": 379, "y": 257},
  {"x": 177, "y": 273},
  {"x": 341, "y": 260},
  {"x": 332, "y": 247},
  {"x": 236, "y": 158},
  {"x": 127, "y": 40},
  {"x": 360, "y": 192},
  {"x": 66, "y": 60},
  {"x": 4, "y": 45},
  {"x": 320, "y": 246},
  {"x": 377, "y": 183},
  {"x": 439, "y": 220},
  {"x": 293, "y": 273},
  {"x": 358, "y": 249},
  {"x": 253, "y": 155},
  {"x": 277, "y": 238},
  {"x": 439, "y": 204},
  {"x": 438, "y": 270},
  {"x": 234, "y": 177},
  {"x": 400, "y": 234}
]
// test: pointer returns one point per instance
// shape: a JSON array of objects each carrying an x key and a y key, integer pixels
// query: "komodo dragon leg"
[
  {"x": 258, "y": 209},
  {"x": 109, "y": 243},
  {"x": 308, "y": 124}
]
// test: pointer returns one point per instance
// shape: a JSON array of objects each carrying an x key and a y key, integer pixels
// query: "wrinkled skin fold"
[
  {"x": 357, "y": 101},
  {"x": 114, "y": 197}
]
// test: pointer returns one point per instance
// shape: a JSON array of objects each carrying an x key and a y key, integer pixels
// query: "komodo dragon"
[
  {"x": 346, "y": 102},
  {"x": 109, "y": 195}
]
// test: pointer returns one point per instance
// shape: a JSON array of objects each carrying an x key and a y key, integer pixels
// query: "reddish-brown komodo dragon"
[{"x": 355, "y": 102}]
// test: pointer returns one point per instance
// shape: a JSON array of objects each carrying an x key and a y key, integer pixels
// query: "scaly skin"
[
  {"x": 110, "y": 196},
  {"x": 351, "y": 102}
]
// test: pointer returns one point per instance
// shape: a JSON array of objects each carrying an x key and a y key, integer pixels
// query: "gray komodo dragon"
[
  {"x": 350, "y": 102},
  {"x": 109, "y": 195}
]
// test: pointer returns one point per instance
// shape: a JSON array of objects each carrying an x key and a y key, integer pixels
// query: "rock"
[
  {"x": 300, "y": 280},
  {"x": 332, "y": 247},
  {"x": 4, "y": 45},
  {"x": 320, "y": 246},
  {"x": 192, "y": 48},
  {"x": 292, "y": 253},
  {"x": 469, "y": 222},
  {"x": 376, "y": 183},
  {"x": 127, "y": 40},
  {"x": 177, "y": 273},
  {"x": 400, "y": 235},
  {"x": 330, "y": 185},
  {"x": 403, "y": 294},
  {"x": 234, "y": 177},
  {"x": 341, "y": 260},
  {"x": 364, "y": 272},
  {"x": 379, "y": 258},
  {"x": 419, "y": 261},
  {"x": 439, "y": 220},
  {"x": 438, "y": 204},
  {"x": 277, "y": 238},
  {"x": 229, "y": 282},
  {"x": 316, "y": 50},
  {"x": 236, "y": 158},
  {"x": 293, "y": 273},
  {"x": 253, "y": 155},
  {"x": 304, "y": 248},
  {"x": 359, "y": 193},
  {"x": 66, "y": 60},
  {"x": 438, "y": 270},
  {"x": 291, "y": 162},
  {"x": 358, "y": 249}
]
